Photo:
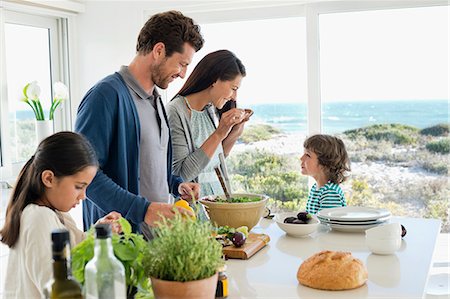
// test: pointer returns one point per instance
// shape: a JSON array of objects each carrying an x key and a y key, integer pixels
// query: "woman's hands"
[
  {"x": 112, "y": 218},
  {"x": 230, "y": 119},
  {"x": 235, "y": 132},
  {"x": 231, "y": 126},
  {"x": 189, "y": 191}
]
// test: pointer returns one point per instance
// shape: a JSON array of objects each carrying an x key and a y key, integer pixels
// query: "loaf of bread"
[{"x": 332, "y": 270}]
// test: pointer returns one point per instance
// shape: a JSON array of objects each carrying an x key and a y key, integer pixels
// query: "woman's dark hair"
[
  {"x": 221, "y": 65},
  {"x": 65, "y": 154},
  {"x": 331, "y": 154},
  {"x": 171, "y": 28}
]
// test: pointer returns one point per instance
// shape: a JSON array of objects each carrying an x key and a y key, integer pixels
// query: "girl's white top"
[{"x": 30, "y": 264}]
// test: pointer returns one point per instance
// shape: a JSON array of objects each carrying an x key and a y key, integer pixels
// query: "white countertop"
[{"x": 272, "y": 272}]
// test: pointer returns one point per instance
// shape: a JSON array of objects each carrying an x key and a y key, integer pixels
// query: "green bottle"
[
  {"x": 63, "y": 285},
  {"x": 104, "y": 275}
]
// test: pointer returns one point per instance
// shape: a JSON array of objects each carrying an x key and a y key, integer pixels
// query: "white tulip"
[
  {"x": 33, "y": 91},
  {"x": 60, "y": 91}
]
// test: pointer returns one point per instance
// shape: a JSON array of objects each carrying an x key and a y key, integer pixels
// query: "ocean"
[{"x": 340, "y": 116}]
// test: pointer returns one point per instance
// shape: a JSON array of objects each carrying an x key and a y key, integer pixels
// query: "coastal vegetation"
[
  {"x": 259, "y": 132},
  {"x": 424, "y": 154},
  {"x": 418, "y": 187}
]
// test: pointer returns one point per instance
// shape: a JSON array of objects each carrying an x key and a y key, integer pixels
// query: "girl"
[
  {"x": 325, "y": 159},
  {"x": 52, "y": 182},
  {"x": 197, "y": 137}
]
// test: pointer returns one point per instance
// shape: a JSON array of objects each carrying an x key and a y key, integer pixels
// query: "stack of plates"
[{"x": 353, "y": 219}]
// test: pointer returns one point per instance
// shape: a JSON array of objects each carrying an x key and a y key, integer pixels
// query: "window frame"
[
  {"x": 59, "y": 71},
  {"x": 247, "y": 10}
]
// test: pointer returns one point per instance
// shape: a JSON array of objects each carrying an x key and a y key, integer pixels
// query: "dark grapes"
[
  {"x": 403, "y": 231},
  {"x": 290, "y": 219},
  {"x": 304, "y": 216},
  {"x": 238, "y": 239}
]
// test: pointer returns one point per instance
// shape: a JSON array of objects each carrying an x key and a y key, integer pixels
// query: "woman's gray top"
[{"x": 189, "y": 132}]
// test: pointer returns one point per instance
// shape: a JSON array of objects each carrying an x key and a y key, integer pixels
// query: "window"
[
  {"x": 33, "y": 51},
  {"x": 266, "y": 159},
  {"x": 384, "y": 90},
  {"x": 368, "y": 66}
]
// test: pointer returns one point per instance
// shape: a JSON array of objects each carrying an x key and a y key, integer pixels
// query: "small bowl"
[
  {"x": 384, "y": 246},
  {"x": 385, "y": 231},
  {"x": 296, "y": 230}
]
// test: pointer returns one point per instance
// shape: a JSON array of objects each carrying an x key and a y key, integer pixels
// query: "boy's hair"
[
  {"x": 331, "y": 154},
  {"x": 171, "y": 28},
  {"x": 65, "y": 154},
  {"x": 220, "y": 65}
]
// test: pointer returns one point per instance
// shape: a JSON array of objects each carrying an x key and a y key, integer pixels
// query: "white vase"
[{"x": 44, "y": 128}]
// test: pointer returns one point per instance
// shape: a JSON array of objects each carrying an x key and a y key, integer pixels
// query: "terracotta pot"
[{"x": 197, "y": 289}]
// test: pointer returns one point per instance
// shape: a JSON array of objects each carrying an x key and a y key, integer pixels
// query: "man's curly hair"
[
  {"x": 331, "y": 154},
  {"x": 171, "y": 28}
]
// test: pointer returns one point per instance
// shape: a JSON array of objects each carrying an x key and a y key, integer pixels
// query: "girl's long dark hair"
[
  {"x": 220, "y": 65},
  {"x": 65, "y": 154}
]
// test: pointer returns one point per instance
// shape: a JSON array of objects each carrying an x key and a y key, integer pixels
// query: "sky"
[{"x": 399, "y": 54}]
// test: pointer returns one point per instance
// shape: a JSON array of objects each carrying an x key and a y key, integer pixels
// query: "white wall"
[
  {"x": 106, "y": 32},
  {"x": 106, "y": 39}
]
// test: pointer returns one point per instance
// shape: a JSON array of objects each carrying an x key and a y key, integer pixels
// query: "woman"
[
  {"x": 51, "y": 183},
  {"x": 198, "y": 137}
]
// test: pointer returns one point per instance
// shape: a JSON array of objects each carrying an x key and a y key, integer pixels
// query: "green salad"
[{"x": 238, "y": 199}]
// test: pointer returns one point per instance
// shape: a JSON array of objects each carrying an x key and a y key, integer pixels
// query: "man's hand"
[
  {"x": 158, "y": 210},
  {"x": 189, "y": 190},
  {"x": 112, "y": 218}
]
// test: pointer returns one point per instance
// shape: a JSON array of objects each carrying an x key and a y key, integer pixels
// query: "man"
[{"x": 124, "y": 119}]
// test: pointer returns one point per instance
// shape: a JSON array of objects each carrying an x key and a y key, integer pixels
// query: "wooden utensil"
[
  {"x": 222, "y": 182},
  {"x": 226, "y": 177}
]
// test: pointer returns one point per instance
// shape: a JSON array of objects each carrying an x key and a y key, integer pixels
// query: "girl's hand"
[
  {"x": 112, "y": 218},
  {"x": 229, "y": 120}
]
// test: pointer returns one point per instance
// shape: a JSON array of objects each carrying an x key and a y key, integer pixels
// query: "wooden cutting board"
[{"x": 252, "y": 245}]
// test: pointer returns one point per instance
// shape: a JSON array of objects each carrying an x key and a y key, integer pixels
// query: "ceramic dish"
[
  {"x": 353, "y": 214},
  {"x": 296, "y": 230}
]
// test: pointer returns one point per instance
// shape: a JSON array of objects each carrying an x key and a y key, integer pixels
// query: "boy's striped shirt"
[{"x": 328, "y": 196}]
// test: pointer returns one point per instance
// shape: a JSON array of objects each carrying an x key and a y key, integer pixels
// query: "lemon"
[
  {"x": 243, "y": 229},
  {"x": 185, "y": 205}
]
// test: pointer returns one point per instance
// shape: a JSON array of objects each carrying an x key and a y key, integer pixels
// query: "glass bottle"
[
  {"x": 222, "y": 283},
  {"x": 104, "y": 274},
  {"x": 63, "y": 285}
]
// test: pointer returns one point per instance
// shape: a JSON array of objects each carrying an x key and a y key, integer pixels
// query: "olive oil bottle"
[
  {"x": 104, "y": 275},
  {"x": 63, "y": 285}
]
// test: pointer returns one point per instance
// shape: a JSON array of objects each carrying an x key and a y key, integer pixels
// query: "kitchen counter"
[{"x": 272, "y": 272}]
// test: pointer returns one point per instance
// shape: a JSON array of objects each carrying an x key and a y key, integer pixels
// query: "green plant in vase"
[
  {"x": 32, "y": 92},
  {"x": 183, "y": 258}
]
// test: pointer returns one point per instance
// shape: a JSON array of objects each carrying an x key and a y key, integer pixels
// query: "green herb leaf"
[{"x": 126, "y": 226}]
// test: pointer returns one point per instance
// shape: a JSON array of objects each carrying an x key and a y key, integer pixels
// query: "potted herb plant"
[
  {"x": 129, "y": 248},
  {"x": 182, "y": 260}
]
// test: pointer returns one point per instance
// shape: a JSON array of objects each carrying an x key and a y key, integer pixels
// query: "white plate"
[
  {"x": 351, "y": 228},
  {"x": 368, "y": 222},
  {"x": 353, "y": 214}
]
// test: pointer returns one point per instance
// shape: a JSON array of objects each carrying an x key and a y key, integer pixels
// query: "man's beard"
[{"x": 157, "y": 77}]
